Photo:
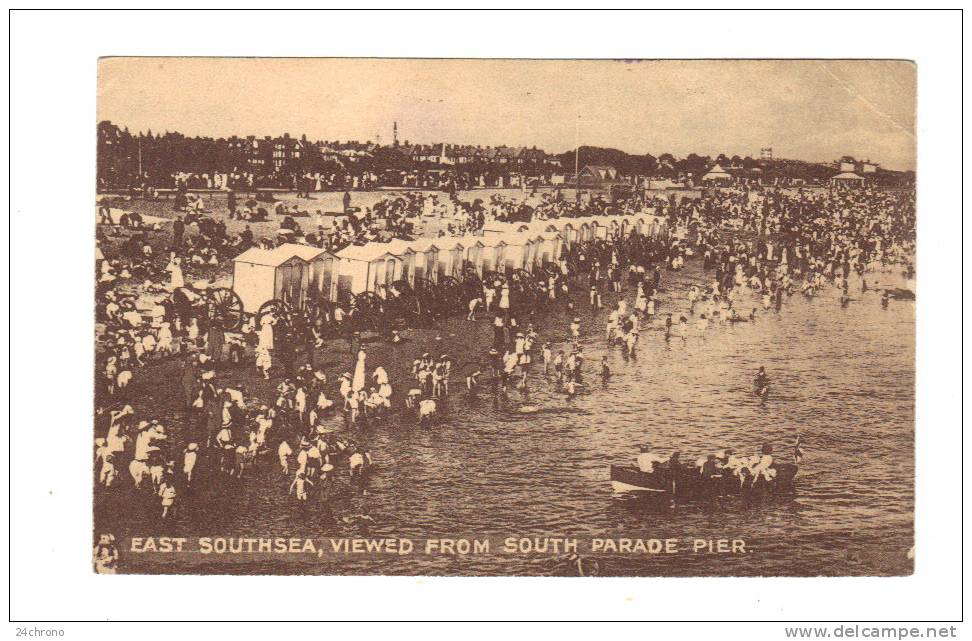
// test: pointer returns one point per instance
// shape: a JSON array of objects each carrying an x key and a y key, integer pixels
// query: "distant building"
[
  {"x": 717, "y": 175},
  {"x": 847, "y": 179},
  {"x": 598, "y": 176},
  {"x": 850, "y": 164}
]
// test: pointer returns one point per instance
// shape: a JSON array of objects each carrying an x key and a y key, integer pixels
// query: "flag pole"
[{"x": 577, "y": 159}]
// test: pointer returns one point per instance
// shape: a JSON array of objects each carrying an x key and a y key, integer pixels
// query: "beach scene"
[{"x": 513, "y": 356}]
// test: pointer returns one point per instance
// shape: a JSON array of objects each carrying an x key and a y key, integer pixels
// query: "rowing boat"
[{"x": 687, "y": 482}]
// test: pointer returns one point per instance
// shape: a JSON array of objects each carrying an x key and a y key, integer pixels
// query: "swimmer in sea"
[
  {"x": 605, "y": 370},
  {"x": 761, "y": 383},
  {"x": 299, "y": 484},
  {"x": 570, "y": 387}
]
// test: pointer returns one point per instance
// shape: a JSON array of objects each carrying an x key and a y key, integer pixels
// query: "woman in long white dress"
[
  {"x": 358, "y": 380},
  {"x": 504, "y": 302},
  {"x": 265, "y": 335},
  {"x": 174, "y": 267}
]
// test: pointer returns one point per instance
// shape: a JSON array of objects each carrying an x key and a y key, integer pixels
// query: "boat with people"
[
  {"x": 689, "y": 482},
  {"x": 900, "y": 293},
  {"x": 714, "y": 475}
]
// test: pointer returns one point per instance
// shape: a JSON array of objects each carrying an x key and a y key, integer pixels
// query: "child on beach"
[
  {"x": 300, "y": 485},
  {"x": 167, "y": 492},
  {"x": 108, "y": 470}
]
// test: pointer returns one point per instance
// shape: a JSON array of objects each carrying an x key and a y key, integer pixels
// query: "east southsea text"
[{"x": 435, "y": 546}]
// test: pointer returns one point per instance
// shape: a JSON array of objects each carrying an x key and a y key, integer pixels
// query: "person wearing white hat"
[
  {"x": 167, "y": 492},
  {"x": 189, "y": 461},
  {"x": 380, "y": 375},
  {"x": 427, "y": 410},
  {"x": 612, "y": 325},
  {"x": 357, "y": 462},
  {"x": 143, "y": 440},
  {"x": 108, "y": 472},
  {"x": 284, "y": 453},
  {"x": 263, "y": 424}
]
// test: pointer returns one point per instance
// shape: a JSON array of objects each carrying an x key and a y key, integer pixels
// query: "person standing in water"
[{"x": 761, "y": 383}]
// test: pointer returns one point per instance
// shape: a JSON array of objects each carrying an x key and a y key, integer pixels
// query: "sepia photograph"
[
  {"x": 438, "y": 316},
  {"x": 468, "y": 317}
]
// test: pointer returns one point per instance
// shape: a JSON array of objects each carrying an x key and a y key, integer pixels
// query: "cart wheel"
[
  {"x": 224, "y": 308},
  {"x": 368, "y": 302},
  {"x": 492, "y": 277},
  {"x": 450, "y": 291},
  {"x": 275, "y": 308}
]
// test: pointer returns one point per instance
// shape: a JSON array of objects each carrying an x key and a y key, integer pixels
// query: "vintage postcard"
[{"x": 504, "y": 317}]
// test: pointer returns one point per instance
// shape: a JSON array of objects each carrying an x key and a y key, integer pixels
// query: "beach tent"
[
  {"x": 544, "y": 248},
  {"x": 472, "y": 247},
  {"x": 490, "y": 255},
  {"x": 450, "y": 257},
  {"x": 260, "y": 275},
  {"x": 426, "y": 257},
  {"x": 656, "y": 227},
  {"x": 320, "y": 266},
  {"x": 532, "y": 244},
  {"x": 512, "y": 253},
  {"x": 585, "y": 228},
  {"x": 362, "y": 268},
  {"x": 607, "y": 226},
  {"x": 567, "y": 229},
  {"x": 550, "y": 243},
  {"x": 624, "y": 225}
]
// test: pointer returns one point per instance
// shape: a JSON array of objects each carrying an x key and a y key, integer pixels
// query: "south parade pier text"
[{"x": 433, "y": 546}]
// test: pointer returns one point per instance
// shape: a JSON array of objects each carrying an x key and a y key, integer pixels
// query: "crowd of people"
[{"x": 758, "y": 249}]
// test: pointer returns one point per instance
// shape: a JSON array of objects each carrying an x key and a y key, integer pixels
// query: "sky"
[{"x": 813, "y": 110}]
